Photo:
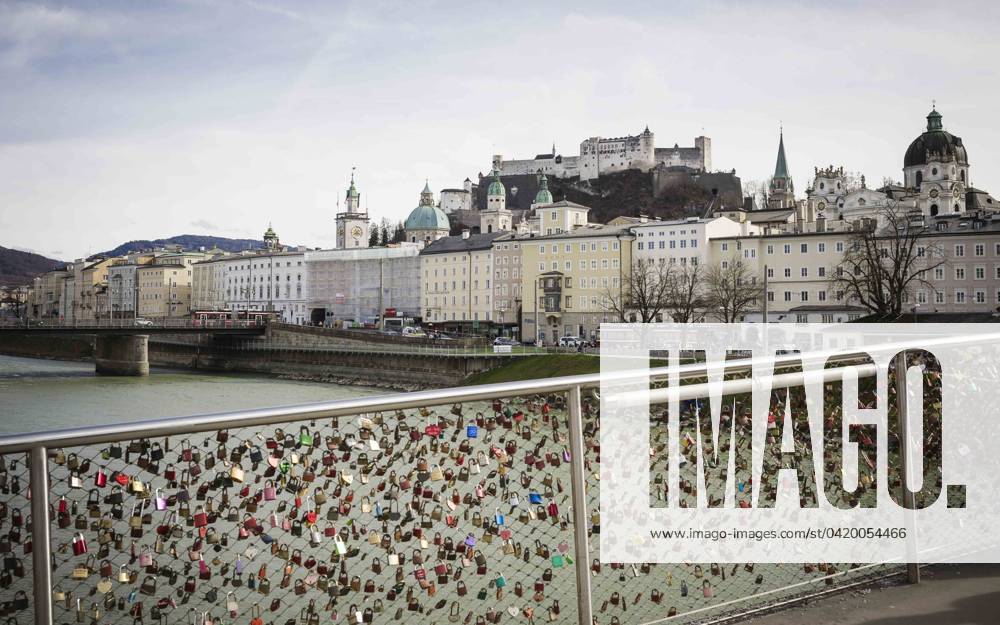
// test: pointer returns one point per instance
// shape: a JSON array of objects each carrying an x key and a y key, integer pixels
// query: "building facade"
[
  {"x": 360, "y": 285},
  {"x": 507, "y": 284},
  {"x": 568, "y": 280},
  {"x": 456, "y": 282}
]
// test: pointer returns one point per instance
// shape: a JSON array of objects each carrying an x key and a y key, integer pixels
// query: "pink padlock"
[
  {"x": 161, "y": 501},
  {"x": 100, "y": 478},
  {"x": 269, "y": 492}
]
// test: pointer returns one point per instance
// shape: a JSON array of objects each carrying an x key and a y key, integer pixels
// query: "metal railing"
[
  {"x": 140, "y": 323},
  {"x": 458, "y": 504}
]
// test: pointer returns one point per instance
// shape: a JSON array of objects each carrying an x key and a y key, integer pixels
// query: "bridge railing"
[
  {"x": 140, "y": 323},
  {"x": 473, "y": 504}
]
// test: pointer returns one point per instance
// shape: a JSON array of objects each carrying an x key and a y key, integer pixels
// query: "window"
[
  {"x": 821, "y": 247},
  {"x": 770, "y": 249},
  {"x": 939, "y": 273},
  {"x": 801, "y": 318},
  {"x": 822, "y": 296},
  {"x": 804, "y": 296},
  {"x": 959, "y": 250},
  {"x": 938, "y": 297},
  {"x": 980, "y": 249},
  {"x": 788, "y": 296},
  {"x": 826, "y": 318},
  {"x": 788, "y": 249},
  {"x": 804, "y": 272},
  {"x": 980, "y": 273},
  {"x": 788, "y": 272},
  {"x": 803, "y": 248},
  {"x": 840, "y": 246},
  {"x": 725, "y": 247},
  {"x": 822, "y": 272},
  {"x": 770, "y": 272},
  {"x": 980, "y": 296},
  {"x": 959, "y": 296},
  {"x": 770, "y": 296},
  {"x": 960, "y": 273}
]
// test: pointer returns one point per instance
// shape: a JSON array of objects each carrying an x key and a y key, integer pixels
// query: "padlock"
[{"x": 79, "y": 544}]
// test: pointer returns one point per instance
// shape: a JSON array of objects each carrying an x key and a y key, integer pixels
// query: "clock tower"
[{"x": 352, "y": 225}]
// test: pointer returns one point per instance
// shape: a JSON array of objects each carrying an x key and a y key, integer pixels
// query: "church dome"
[
  {"x": 426, "y": 217},
  {"x": 496, "y": 187},
  {"x": 936, "y": 143},
  {"x": 544, "y": 196}
]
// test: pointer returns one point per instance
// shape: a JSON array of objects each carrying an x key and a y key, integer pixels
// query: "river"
[{"x": 38, "y": 395}]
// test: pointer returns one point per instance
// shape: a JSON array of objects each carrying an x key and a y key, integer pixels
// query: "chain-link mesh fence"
[
  {"x": 455, "y": 513},
  {"x": 16, "y": 543}
]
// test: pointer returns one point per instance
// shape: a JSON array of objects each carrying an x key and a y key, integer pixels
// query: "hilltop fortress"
[{"x": 599, "y": 155}]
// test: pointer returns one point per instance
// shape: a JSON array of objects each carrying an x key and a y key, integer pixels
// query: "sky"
[{"x": 124, "y": 120}]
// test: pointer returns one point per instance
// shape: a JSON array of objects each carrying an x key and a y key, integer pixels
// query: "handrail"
[{"x": 352, "y": 406}]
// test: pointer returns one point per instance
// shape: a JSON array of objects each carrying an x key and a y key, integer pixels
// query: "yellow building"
[
  {"x": 92, "y": 289},
  {"x": 455, "y": 281},
  {"x": 164, "y": 287},
  {"x": 568, "y": 280}
]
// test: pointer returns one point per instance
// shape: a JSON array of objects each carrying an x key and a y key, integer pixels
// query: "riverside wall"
[{"x": 284, "y": 353}]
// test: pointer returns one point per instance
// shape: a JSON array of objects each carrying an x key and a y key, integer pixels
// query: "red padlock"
[
  {"x": 79, "y": 544},
  {"x": 100, "y": 478},
  {"x": 200, "y": 517}
]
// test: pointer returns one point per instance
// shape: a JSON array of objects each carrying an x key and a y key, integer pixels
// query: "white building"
[
  {"x": 601, "y": 155},
  {"x": 360, "y": 285},
  {"x": 257, "y": 281},
  {"x": 684, "y": 241}
]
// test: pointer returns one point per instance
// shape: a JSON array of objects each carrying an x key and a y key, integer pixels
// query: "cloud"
[
  {"x": 30, "y": 31},
  {"x": 204, "y": 224}
]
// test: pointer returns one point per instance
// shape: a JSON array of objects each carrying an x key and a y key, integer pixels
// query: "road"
[{"x": 946, "y": 595}]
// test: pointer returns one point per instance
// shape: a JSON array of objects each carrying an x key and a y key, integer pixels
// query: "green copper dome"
[
  {"x": 496, "y": 187},
  {"x": 353, "y": 191},
  {"x": 426, "y": 216},
  {"x": 544, "y": 196}
]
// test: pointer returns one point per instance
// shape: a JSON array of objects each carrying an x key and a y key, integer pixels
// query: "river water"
[{"x": 40, "y": 395}]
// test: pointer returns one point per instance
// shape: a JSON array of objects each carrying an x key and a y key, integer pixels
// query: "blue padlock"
[
  {"x": 472, "y": 431},
  {"x": 498, "y": 517},
  {"x": 534, "y": 498}
]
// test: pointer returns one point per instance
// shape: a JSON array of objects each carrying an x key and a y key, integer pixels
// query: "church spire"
[
  {"x": 782, "y": 192},
  {"x": 781, "y": 166}
]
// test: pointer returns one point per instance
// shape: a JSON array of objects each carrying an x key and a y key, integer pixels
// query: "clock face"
[{"x": 356, "y": 232}]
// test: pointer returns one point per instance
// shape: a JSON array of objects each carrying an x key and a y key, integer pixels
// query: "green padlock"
[
  {"x": 557, "y": 561},
  {"x": 285, "y": 466},
  {"x": 305, "y": 438},
  {"x": 500, "y": 581}
]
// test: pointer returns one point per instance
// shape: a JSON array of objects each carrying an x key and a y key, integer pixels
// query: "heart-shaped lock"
[{"x": 122, "y": 479}]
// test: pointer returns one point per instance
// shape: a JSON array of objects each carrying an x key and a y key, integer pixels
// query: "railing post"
[
  {"x": 40, "y": 539},
  {"x": 912, "y": 568},
  {"x": 578, "y": 494}
]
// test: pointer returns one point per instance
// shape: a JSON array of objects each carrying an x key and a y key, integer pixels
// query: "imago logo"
[{"x": 801, "y": 443}]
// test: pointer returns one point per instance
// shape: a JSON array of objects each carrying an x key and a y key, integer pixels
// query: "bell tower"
[{"x": 352, "y": 224}]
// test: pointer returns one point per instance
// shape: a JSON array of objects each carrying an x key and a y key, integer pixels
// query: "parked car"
[
  {"x": 569, "y": 341},
  {"x": 414, "y": 332},
  {"x": 143, "y": 322},
  {"x": 503, "y": 340}
]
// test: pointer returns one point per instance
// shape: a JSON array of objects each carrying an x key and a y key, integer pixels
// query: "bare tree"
[
  {"x": 643, "y": 292},
  {"x": 886, "y": 257},
  {"x": 732, "y": 290},
  {"x": 685, "y": 292}
]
